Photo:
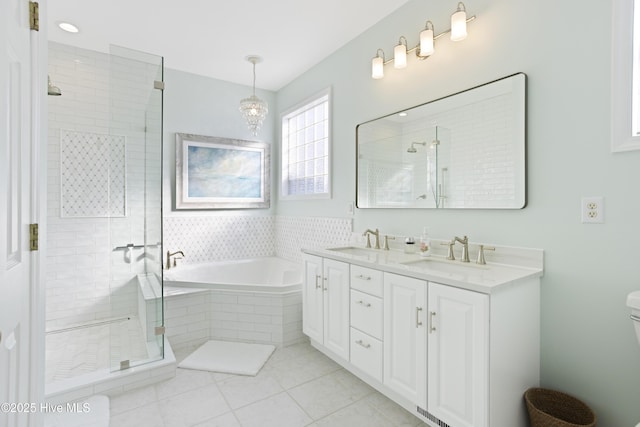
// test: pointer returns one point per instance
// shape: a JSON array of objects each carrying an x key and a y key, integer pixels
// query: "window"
[
  {"x": 306, "y": 149},
  {"x": 625, "y": 120}
]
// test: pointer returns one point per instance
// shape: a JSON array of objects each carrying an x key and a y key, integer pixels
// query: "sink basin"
[{"x": 446, "y": 266}]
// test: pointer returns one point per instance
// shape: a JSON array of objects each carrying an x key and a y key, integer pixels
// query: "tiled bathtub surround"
[
  {"x": 193, "y": 316},
  {"x": 216, "y": 238}
]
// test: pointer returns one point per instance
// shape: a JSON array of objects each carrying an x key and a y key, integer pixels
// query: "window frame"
[
  {"x": 284, "y": 165},
  {"x": 623, "y": 102}
]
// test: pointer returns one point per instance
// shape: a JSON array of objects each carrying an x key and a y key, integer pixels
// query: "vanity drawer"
[
  {"x": 366, "y": 353},
  {"x": 366, "y": 280},
  {"x": 366, "y": 313}
]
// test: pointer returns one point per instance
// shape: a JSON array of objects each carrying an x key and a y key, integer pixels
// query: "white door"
[
  {"x": 458, "y": 356},
  {"x": 336, "y": 307},
  {"x": 312, "y": 295},
  {"x": 405, "y": 337},
  {"x": 15, "y": 207}
]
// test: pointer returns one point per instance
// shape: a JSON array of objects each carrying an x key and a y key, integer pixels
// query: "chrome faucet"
[
  {"x": 169, "y": 255},
  {"x": 368, "y": 232},
  {"x": 465, "y": 247}
]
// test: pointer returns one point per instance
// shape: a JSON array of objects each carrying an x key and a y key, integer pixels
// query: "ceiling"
[{"x": 213, "y": 37}]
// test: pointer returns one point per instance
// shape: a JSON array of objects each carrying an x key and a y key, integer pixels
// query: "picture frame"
[{"x": 222, "y": 173}]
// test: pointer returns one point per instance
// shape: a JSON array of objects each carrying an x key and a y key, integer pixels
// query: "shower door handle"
[{"x": 129, "y": 246}]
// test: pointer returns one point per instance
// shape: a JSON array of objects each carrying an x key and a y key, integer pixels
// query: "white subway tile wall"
[{"x": 102, "y": 95}]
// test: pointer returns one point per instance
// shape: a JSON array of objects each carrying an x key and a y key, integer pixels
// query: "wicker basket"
[{"x": 549, "y": 408}]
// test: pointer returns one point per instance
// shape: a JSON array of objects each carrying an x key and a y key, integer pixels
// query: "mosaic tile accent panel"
[
  {"x": 219, "y": 237},
  {"x": 296, "y": 233},
  {"x": 92, "y": 174}
]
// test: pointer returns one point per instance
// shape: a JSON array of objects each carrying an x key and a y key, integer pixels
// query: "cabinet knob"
[
  {"x": 317, "y": 284},
  {"x": 418, "y": 322},
  {"x": 366, "y": 304}
]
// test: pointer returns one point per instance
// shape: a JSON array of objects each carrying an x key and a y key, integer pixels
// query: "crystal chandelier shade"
[{"x": 253, "y": 109}]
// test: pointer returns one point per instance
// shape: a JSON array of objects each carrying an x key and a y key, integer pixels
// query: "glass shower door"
[{"x": 136, "y": 84}]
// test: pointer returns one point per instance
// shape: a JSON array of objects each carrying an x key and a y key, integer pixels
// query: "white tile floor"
[{"x": 298, "y": 386}]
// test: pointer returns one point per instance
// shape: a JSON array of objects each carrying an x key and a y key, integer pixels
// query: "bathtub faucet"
[{"x": 169, "y": 255}]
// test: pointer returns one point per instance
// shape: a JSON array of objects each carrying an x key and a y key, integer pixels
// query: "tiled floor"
[{"x": 298, "y": 386}]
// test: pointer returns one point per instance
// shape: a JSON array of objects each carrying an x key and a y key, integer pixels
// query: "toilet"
[{"x": 633, "y": 302}]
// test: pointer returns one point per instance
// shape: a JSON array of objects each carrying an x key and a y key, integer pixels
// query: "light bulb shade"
[
  {"x": 400, "y": 56},
  {"x": 377, "y": 67},
  {"x": 254, "y": 110},
  {"x": 459, "y": 24},
  {"x": 426, "y": 43}
]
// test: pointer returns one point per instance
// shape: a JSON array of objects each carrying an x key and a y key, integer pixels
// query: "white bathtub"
[
  {"x": 252, "y": 300},
  {"x": 268, "y": 274}
]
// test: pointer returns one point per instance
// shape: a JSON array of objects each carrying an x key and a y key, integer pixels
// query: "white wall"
[{"x": 588, "y": 344}]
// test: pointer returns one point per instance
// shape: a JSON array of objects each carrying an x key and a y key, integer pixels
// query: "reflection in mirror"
[{"x": 466, "y": 150}]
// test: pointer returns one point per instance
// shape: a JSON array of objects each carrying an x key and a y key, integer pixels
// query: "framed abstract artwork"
[{"x": 221, "y": 173}]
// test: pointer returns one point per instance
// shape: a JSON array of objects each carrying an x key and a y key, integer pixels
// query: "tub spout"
[{"x": 169, "y": 255}]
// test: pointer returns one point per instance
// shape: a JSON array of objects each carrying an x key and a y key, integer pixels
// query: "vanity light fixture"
[
  {"x": 426, "y": 40},
  {"x": 400, "y": 53},
  {"x": 459, "y": 24},
  {"x": 426, "y": 45},
  {"x": 377, "y": 65}
]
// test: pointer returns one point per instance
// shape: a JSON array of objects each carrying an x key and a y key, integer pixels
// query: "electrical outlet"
[{"x": 592, "y": 209}]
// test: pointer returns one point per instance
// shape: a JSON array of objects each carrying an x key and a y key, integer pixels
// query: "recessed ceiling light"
[
  {"x": 403, "y": 114},
  {"x": 66, "y": 26}
]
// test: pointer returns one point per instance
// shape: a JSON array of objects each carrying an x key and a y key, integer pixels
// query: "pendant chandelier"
[{"x": 254, "y": 109}]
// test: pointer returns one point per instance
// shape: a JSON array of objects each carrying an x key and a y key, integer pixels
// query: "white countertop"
[{"x": 471, "y": 276}]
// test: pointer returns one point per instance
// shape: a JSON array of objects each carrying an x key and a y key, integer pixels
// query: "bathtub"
[
  {"x": 251, "y": 300},
  {"x": 268, "y": 274}
]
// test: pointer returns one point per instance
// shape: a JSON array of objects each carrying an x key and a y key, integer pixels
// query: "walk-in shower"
[{"x": 104, "y": 283}]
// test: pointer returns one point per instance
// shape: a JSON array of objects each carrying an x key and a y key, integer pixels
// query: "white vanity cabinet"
[
  {"x": 458, "y": 345},
  {"x": 405, "y": 343},
  {"x": 325, "y": 301}
]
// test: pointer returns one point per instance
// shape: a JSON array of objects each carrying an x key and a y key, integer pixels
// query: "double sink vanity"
[{"x": 456, "y": 343}]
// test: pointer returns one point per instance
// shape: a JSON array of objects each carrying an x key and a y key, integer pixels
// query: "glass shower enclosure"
[
  {"x": 136, "y": 87},
  {"x": 104, "y": 286}
]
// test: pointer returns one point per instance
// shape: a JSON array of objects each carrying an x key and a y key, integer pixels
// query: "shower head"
[
  {"x": 412, "y": 149},
  {"x": 53, "y": 90}
]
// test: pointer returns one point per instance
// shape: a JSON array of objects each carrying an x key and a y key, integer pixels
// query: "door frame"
[{"x": 39, "y": 146}]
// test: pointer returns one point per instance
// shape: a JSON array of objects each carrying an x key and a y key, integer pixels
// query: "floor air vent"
[{"x": 432, "y": 418}]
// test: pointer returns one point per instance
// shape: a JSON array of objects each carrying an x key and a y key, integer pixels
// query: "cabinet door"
[
  {"x": 405, "y": 337},
  {"x": 336, "y": 307},
  {"x": 458, "y": 366},
  {"x": 312, "y": 295}
]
